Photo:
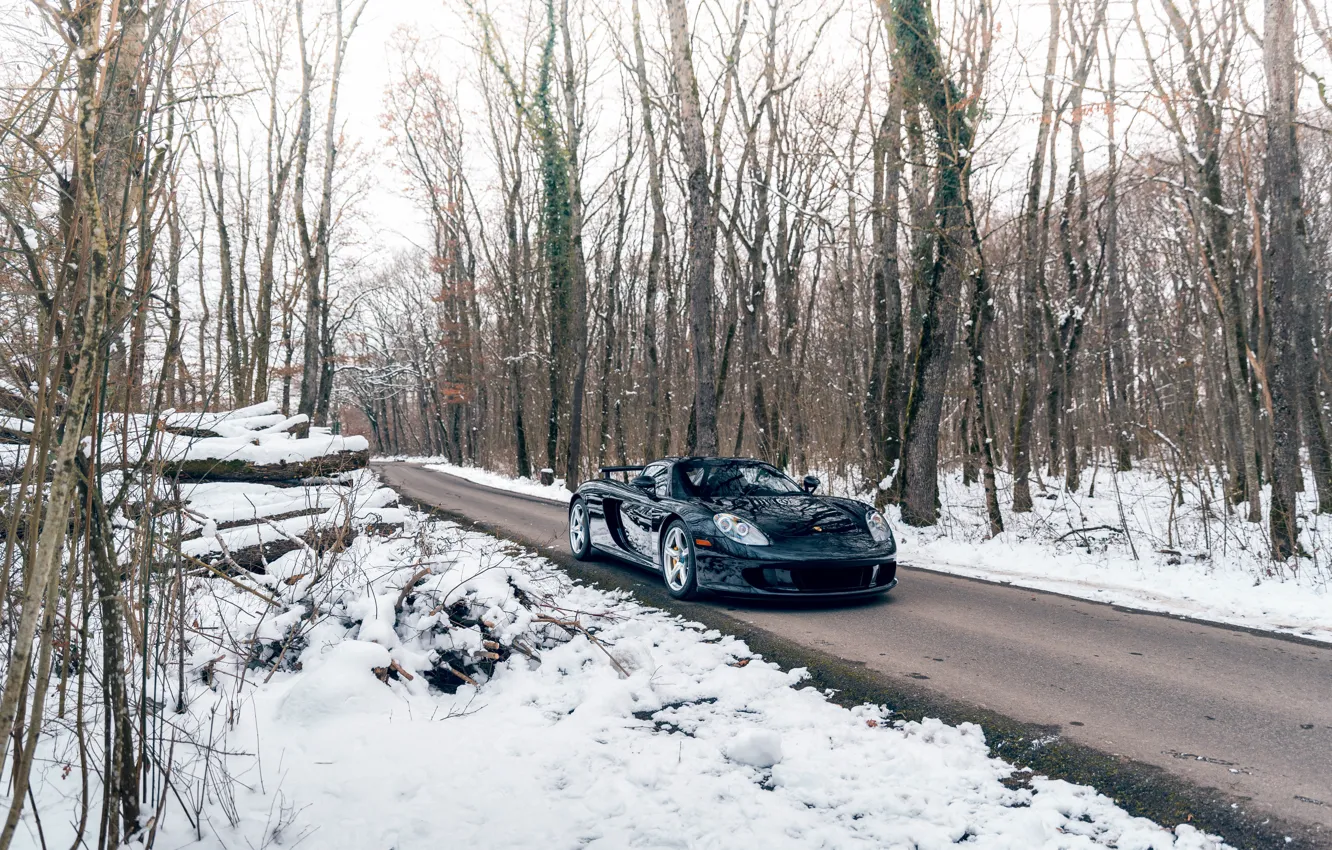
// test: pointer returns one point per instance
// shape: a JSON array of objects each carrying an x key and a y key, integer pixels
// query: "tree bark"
[
  {"x": 928, "y": 85},
  {"x": 314, "y": 238},
  {"x": 884, "y": 413},
  {"x": 578, "y": 264},
  {"x": 1033, "y": 263},
  {"x": 655, "y": 443},
  {"x": 702, "y": 232},
  {"x": 84, "y": 26},
  {"x": 1286, "y": 270},
  {"x": 1119, "y": 366},
  {"x": 278, "y": 166}
]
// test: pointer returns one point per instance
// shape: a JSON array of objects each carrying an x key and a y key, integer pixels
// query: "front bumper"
[{"x": 789, "y": 577}]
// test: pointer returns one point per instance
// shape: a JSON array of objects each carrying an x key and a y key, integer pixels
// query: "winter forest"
[
  {"x": 978, "y": 250},
  {"x": 1017, "y": 239}
]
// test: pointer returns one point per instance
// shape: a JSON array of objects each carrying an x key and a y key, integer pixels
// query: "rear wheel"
[
  {"x": 678, "y": 564},
  {"x": 580, "y": 536}
]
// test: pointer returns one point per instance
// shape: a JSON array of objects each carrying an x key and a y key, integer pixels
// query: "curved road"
[{"x": 1247, "y": 713}]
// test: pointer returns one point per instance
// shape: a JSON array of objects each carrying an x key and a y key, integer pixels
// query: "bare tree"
[
  {"x": 702, "y": 232},
  {"x": 314, "y": 235},
  {"x": 1286, "y": 270}
]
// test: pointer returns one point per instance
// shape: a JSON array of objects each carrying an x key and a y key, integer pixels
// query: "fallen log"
[
  {"x": 15, "y": 431},
  {"x": 187, "y": 431},
  {"x": 15, "y": 401},
  {"x": 258, "y": 520},
  {"x": 293, "y": 473},
  {"x": 1088, "y": 530},
  {"x": 256, "y": 558},
  {"x": 229, "y": 427}
]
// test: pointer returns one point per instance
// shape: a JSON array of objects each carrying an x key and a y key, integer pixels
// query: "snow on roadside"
[
  {"x": 1189, "y": 562},
  {"x": 1229, "y": 597},
  {"x": 630, "y": 728},
  {"x": 1128, "y": 545},
  {"x": 556, "y": 492}
]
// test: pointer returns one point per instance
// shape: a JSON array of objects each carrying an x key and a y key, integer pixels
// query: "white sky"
[{"x": 1013, "y": 95}]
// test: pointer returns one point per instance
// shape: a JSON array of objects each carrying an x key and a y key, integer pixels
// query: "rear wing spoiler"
[{"x": 608, "y": 471}]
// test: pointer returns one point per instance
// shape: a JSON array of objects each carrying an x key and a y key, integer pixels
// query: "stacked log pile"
[
  {"x": 247, "y": 489},
  {"x": 237, "y": 497}
]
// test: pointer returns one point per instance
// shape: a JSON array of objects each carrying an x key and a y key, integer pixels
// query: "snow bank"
[
  {"x": 556, "y": 492},
  {"x": 1127, "y": 539},
  {"x": 588, "y": 721}
]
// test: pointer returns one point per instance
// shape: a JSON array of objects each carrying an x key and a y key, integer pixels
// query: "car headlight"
[
  {"x": 878, "y": 527},
  {"x": 737, "y": 529}
]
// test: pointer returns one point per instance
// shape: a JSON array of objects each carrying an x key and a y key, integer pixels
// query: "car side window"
[{"x": 661, "y": 473}]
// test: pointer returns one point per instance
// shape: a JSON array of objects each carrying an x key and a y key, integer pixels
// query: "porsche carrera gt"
[{"x": 733, "y": 526}]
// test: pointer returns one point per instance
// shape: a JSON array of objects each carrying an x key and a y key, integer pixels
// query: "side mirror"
[
  {"x": 646, "y": 483},
  {"x": 810, "y": 484}
]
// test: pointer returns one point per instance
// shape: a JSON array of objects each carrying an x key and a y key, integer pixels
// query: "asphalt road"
[{"x": 1249, "y": 714}]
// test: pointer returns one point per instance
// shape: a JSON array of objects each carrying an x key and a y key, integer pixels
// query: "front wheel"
[
  {"x": 678, "y": 564},
  {"x": 580, "y": 536}
]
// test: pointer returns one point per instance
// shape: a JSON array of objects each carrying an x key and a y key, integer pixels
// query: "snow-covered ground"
[
  {"x": 556, "y": 492},
  {"x": 1127, "y": 539},
  {"x": 581, "y": 719},
  {"x": 1122, "y": 540}
]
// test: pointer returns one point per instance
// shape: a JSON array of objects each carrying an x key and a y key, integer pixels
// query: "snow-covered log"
[
  {"x": 14, "y": 430},
  {"x": 279, "y": 470},
  {"x": 249, "y": 525},
  {"x": 254, "y": 443},
  {"x": 256, "y": 558},
  {"x": 250, "y": 444}
]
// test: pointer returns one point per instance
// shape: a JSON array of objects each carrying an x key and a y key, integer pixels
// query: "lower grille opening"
[{"x": 821, "y": 579}]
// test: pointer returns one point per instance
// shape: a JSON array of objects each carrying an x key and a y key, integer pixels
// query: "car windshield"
[{"x": 726, "y": 479}]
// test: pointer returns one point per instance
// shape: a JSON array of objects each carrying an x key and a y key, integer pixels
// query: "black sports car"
[{"x": 733, "y": 526}]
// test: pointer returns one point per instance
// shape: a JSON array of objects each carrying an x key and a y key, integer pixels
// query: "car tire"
[
  {"x": 679, "y": 566},
  {"x": 580, "y": 532}
]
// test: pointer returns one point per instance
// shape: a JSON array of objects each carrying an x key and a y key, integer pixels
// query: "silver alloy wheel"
[
  {"x": 577, "y": 527},
  {"x": 677, "y": 557}
]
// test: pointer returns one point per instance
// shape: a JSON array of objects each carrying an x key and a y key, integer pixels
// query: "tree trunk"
[
  {"x": 982, "y": 316},
  {"x": 702, "y": 232},
  {"x": 884, "y": 413},
  {"x": 1119, "y": 354},
  {"x": 279, "y": 170},
  {"x": 314, "y": 239},
  {"x": 1286, "y": 271},
  {"x": 1316, "y": 435},
  {"x": 578, "y": 265},
  {"x": 655, "y": 442},
  {"x": 927, "y": 81},
  {"x": 95, "y": 273},
  {"x": 1032, "y": 268}
]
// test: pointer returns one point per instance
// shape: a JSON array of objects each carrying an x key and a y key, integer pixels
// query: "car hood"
[{"x": 791, "y": 516}]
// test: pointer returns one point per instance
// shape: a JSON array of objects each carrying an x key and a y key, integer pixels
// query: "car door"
[{"x": 642, "y": 516}]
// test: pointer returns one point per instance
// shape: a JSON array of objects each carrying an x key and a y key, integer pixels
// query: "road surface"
[{"x": 1247, "y": 713}]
